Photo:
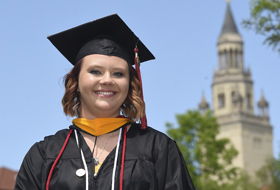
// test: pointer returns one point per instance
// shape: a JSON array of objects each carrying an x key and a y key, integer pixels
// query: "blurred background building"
[
  {"x": 7, "y": 179},
  {"x": 233, "y": 102}
]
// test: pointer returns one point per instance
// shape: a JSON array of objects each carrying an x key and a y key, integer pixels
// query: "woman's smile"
[{"x": 105, "y": 93}]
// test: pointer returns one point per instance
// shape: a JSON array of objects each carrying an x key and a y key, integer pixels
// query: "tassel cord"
[
  {"x": 123, "y": 158},
  {"x": 57, "y": 158},
  {"x": 144, "y": 122}
]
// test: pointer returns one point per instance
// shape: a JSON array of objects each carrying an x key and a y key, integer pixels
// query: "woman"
[{"x": 103, "y": 150}]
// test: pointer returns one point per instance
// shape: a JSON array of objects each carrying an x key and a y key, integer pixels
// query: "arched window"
[
  {"x": 232, "y": 99},
  {"x": 225, "y": 58},
  {"x": 236, "y": 59},
  {"x": 221, "y": 100},
  {"x": 221, "y": 64},
  {"x": 257, "y": 143},
  {"x": 248, "y": 100}
]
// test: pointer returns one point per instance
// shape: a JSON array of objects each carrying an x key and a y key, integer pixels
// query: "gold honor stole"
[{"x": 100, "y": 126}]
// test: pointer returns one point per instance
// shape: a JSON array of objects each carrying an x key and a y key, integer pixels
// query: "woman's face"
[{"x": 103, "y": 85}]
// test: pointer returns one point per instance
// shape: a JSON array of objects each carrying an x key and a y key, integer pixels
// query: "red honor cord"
[{"x": 57, "y": 158}]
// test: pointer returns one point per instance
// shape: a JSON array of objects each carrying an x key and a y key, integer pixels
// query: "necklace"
[{"x": 95, "y": 159}]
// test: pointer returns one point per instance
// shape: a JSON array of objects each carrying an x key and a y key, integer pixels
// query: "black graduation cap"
[{"x": 88, "y": 38}]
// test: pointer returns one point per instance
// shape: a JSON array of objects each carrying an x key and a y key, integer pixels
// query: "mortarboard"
[{"x": 88, "y": 38}]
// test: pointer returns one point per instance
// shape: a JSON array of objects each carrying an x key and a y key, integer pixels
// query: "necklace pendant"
[{"x": 96, "y": 162}]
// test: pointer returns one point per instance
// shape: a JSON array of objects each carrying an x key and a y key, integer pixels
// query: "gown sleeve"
[
  {"x": 171, "y": 170},
  {"x": 29, "y": 175}
]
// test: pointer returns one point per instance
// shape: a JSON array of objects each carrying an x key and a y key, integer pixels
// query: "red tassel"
[
  {"x": 123, "y": 156},
  {"x": 57, "y": 158},
  {"x": 144, "y": 122}
]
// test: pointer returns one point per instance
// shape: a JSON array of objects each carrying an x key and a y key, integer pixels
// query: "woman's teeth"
[{"x": 105, "y": 93}]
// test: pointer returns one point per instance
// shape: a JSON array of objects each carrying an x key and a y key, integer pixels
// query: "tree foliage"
[
  {"x": 269, "y": 175},
  {"x": 265, "y": 20},
  {"x": 244, "y": 182},
  {"x": 208, "y": 158}
]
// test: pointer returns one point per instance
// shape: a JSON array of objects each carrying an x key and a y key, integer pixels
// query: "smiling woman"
[
  {"x": 105, "y": 148},
  {"x": 133, "y": 106},
  {"x": 103, "y": 85}
]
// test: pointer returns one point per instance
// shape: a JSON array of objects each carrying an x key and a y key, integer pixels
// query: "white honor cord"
[
  {"x": 83, "y": 158},
  {"x": 116, "y": 158}
]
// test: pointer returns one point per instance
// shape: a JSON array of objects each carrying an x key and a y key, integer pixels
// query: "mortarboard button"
[{"x": 80, "y": 172}]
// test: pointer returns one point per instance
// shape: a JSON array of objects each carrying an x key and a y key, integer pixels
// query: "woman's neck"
[{"x": 90, "y": 116}]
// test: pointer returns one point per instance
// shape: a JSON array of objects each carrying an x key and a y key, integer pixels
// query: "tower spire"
[
  {"x": 229, "y": 25},
  {"x": 263, "y": 105},
  {"x": 203, "y": 105},
  {"x": 230, "y": 45}
]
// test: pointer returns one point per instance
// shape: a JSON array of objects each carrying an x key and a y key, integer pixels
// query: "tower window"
[
  {"x": 221, "y": 100},
  {"x": 232, "y": 97},
  {"x": 225, "y": 58},
  {"x": 221, "y": 57},
  {"x": 248, "y": 100},
  {"x": 257, "y": 143},
  {"x": 236, "y": 59},
  {"x": 239, "y": 59}
]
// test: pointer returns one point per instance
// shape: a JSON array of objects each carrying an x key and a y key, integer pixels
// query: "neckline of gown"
[{"x": 89, "y": 155}]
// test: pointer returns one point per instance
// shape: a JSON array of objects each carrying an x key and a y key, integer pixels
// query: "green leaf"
[{"x": 265, "y": 20}]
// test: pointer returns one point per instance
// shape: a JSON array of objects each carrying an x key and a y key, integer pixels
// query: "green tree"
[
  {"x": 208, "y": 158},
  {"x": 244, "y": 182},
  {"x": 265, "y": 20},
  {"x": 269, "y": 174}
]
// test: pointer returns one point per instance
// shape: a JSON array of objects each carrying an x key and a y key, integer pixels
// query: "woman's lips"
[{"x": 105, "y": 93}]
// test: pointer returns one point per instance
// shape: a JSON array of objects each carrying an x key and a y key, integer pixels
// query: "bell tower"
[
  {"x": 233, "y": 102},
  {"x": 232, "y": 85}
]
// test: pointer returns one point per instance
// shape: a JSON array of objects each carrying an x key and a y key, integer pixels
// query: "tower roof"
[
  {"x": 262, "y": 103},
  {"x": 203, "y": 103},
  {"x": 229, "y": 24}
]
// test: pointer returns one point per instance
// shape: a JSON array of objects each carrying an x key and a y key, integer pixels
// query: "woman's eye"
[
  {"x": 118, "y": 74},
  {"x": 96, "y": 72}
]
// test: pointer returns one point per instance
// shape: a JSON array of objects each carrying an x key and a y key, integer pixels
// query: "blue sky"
[{"x": 181, "y": 34}]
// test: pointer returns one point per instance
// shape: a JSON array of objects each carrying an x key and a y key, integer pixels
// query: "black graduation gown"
[{"x": 152, "y": 162}]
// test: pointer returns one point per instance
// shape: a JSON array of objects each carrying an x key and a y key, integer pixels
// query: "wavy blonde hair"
[{"x": 133, "y": 107}]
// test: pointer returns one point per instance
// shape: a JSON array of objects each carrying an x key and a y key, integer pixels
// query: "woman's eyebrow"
[
  {"x": 120, "y": 68},
  {"x": 95, "y": 66}
]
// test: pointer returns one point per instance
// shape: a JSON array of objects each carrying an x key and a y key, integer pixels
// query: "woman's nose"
[{"x": 106, "y": 79}]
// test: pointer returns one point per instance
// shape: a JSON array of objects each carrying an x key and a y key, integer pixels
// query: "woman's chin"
[
  {"x": 108, "y": 111},
  {"x": 103, "y": 109}
]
